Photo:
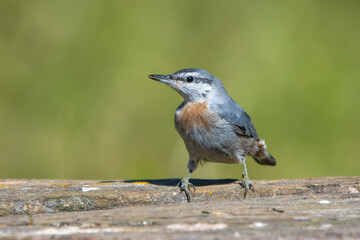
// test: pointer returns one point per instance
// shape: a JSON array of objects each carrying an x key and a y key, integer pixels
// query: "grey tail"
[
  {"x": 262, "y": 156},
  {"x": 265, "y": 160}
]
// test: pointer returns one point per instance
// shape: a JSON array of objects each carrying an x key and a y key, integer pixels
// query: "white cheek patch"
[{"x": 205, "y": 88}]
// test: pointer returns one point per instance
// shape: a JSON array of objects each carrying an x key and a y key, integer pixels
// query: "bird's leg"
[
  {"x": 184, "y": 185},
  {"x": 246, "y": 183}
]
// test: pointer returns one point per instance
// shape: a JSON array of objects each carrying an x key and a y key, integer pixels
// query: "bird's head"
[{"x": 193, "y": 84}]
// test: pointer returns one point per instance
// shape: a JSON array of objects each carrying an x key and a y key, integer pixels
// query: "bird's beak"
[{"x": 161, "y": 78}]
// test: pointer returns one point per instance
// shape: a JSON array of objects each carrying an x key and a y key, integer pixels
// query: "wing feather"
[{"x": 238, "y": 118}]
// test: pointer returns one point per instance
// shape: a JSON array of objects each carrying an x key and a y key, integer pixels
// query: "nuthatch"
[{"x": 213, "y": 126}]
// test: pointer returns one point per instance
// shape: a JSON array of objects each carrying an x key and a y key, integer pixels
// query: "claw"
[
  {"x": 192, "y": 185},
  {"x": 188, "y": 196},
  {"x": 252, "y": 188},
  {"x": 184, "y": 187},
  {"x": 247, "y": 185}
]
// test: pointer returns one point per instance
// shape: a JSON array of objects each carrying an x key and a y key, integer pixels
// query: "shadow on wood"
[{"x": 174, "y": 181}]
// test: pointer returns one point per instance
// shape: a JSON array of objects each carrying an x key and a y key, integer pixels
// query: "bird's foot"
[
  {"x": 246, "y": 183},
  {"x": 184, "y": 185}
]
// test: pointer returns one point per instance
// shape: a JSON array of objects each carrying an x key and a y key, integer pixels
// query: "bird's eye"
[{"x": 190, "y": 79}]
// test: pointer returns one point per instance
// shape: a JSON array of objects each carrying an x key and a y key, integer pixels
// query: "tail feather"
[
  {"x": 262, "y": 156},
  {"x": 267, "y": 160}
]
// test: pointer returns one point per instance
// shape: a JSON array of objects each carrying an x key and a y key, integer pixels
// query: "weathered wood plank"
[{"x": 321, "y": 208}]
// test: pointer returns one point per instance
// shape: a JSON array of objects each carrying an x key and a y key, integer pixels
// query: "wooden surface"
[{"x": 319, "y": 208}]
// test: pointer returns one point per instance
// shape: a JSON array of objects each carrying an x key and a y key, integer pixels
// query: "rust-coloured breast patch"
[{"x": 195, "y": 115}]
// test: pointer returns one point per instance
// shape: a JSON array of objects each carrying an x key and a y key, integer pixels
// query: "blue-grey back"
[{"x": 231, "y": 112}]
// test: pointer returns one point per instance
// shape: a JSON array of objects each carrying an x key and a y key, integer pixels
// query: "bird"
[{"x": 213, "y": 126}]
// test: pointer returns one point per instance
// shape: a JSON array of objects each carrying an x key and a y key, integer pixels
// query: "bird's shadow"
[{"x": 175, "y": 181}]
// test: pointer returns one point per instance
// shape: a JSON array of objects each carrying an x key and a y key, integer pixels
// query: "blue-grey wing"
[{"x": 238, "y": 118}]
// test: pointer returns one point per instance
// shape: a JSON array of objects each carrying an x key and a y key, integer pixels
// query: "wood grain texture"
[{"x": 318, "y": 208}]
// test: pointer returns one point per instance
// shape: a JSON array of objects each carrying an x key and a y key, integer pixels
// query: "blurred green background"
[{"x": 76, "y": 103}]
